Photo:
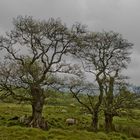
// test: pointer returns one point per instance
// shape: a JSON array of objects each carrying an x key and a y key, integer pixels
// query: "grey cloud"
[{"x": 122, "y": 16}]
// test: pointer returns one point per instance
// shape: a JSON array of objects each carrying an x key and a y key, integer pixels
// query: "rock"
[{"x": 14, "y": 118}]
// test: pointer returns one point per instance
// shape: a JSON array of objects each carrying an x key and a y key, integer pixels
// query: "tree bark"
[
  {"x": 94, "y": 124},
  {"x": 37, "y": 107},
  {"x": 108, "y": 112},
  {"x": 97, "y": 107},
  {"x": 108, "y": 122}
]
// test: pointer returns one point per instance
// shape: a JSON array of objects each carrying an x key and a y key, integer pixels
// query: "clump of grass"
[
  {"x": 133, "y": 131},
  {"x": 70, "y": 135},
  {"x": 102, "y": 136},
  {"x": 117, "y": 136},
  {"x": 21, "y": 133}
]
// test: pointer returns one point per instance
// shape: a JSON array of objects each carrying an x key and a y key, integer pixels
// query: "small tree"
[
  {"x": 104, "y": 55},
  {"x": 86, "y": 94},
  {"x": 125, "y": 100},
  {"x": 34, "y": 50},
  {"x": 122, "y": 104}
]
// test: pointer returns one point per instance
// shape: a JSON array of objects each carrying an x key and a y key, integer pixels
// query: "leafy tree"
[{"x": 33, "y": 52}]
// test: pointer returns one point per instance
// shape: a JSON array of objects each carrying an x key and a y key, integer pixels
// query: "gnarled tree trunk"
[
  {"x": 108, "y": 122},
  {"x": 96, "y": 109},
  {"x": 108, "y": 112},
  {"x": 94, "y": 124},
  {"x": 37, "y": 107}
]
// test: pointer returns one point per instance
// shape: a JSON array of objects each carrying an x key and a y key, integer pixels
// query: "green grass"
[
  {"x": 13, "y": 130},
  {"x": 22, "y": 133}
]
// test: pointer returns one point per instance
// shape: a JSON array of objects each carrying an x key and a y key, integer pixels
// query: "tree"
[
  {"x": 33, "y": 52},
  {"x": 125, "y": 100},
  {"x": 104, "y": 55},
  {"x": 85, "y": 93}
]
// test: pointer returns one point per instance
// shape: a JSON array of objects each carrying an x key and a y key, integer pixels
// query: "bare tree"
[
  {"x": 104, "y": 55},
  {"x": 34, "y": 50},
  {"x": 86, "y": 94}
]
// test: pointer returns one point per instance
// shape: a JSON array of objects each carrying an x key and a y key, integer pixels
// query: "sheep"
[
  {"x": 71, "y": 121},
  {"x": 64, "y": 111},
  {"x": 25, "y": 119}
]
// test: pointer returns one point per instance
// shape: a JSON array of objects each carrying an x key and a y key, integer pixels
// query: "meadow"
[{"x": 56, "y": 111}]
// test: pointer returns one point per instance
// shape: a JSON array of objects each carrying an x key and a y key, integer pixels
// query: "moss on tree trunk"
[{"x": 37, "y": 120}]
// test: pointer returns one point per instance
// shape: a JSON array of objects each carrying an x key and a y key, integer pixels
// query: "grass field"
[{"x": 128, "y": 129}]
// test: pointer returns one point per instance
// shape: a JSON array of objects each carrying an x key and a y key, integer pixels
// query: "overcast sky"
[{"x": 122, "y": 16}]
